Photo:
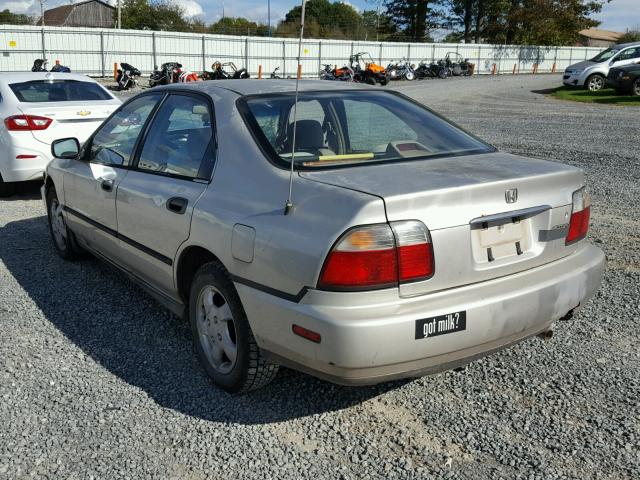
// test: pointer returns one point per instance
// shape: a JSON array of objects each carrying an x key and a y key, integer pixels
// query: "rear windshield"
[
  {"x": 353, "y": 127},
  {"x": 58, "y": 91}
]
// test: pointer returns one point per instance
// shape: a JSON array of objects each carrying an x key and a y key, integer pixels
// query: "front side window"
[
  {"x": 179, "y": 139},
  {"x": 352, "y": 127},
  {"x": 115, "y": 140},
  {"x": 44, "y": 91},
  {"x": 605, "y": 55}
]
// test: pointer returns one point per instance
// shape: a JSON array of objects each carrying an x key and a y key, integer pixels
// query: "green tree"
[
  {"x": 417, "y": 18},
  {"x": 535, "y": 22},
  {"x": 238, "y": 26},
  {"x": 630, "y": 36},
  {"x": 153, "y": 15},
  {"x": 9, "y": 18},
  {"x": 325, "y": 19}
]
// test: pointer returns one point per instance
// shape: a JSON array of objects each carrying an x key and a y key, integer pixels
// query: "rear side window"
[
  {"x": 179, "y": 138},
  {"x": 42, "y": 91}
]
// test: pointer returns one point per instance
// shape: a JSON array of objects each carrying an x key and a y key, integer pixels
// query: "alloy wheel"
[
  {"x": 596, "y": 83},
  {"x": 58, "y": 227},
  {"x": 216, "y": 329},
  {"x": 636, "y": 88}
]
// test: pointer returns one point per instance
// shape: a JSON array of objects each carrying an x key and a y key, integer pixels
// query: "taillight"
[
  {"x": 363, "y": 257},
  {"x": 580, "y": 213},
  {"x": 415, "y": 252},
  {"x": 27, "y": 122},
  {"x": 379, "y": 256}
]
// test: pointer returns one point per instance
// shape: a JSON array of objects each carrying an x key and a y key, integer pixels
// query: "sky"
[{"x": 619, "y": 15}]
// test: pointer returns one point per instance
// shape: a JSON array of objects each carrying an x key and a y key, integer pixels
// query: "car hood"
[{"x": 582, "y": 65}]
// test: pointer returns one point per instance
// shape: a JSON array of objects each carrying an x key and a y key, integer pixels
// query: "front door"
[
  {"x": 156, "y": 198},
  {"x": 90, "y": 183}
]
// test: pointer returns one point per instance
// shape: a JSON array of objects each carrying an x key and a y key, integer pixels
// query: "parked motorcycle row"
[
  {"x": 362, "y": 68},
  {"x": 40, "y": 65},
  {"x": 128, "y": 76}
]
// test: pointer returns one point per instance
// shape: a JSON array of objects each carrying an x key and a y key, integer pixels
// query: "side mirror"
[{"x": 66, "y": 148}]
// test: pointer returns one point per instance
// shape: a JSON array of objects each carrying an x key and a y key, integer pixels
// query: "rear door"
[
  {"x": 155, "y": 200},
  {"x": 90, "y": 183}
]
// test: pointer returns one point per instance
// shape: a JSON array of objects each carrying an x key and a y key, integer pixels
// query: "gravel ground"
[{"x": 98, "y": 381}]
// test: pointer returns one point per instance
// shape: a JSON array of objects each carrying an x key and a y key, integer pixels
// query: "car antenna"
[{"x": 288, "y": 207}]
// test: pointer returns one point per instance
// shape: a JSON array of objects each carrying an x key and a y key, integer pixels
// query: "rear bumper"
[
  {"x": 24, "y": 159},
  {"x": 368, "y": 338}
]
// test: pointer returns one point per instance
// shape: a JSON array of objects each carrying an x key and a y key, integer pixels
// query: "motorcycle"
[
  {"x": 40, "y": 65},
  {"x": 219, "y": 72},
  {"x": 365, "y": 70},
  {"x": 274, "y": 74},
  {"x": 458, "y": 65},
  {"x": 344, "y": 74},
  {"x": 164, "y": 75},
  {"x": 127, "y": 76},
  {"x": 402, "y": 70}
]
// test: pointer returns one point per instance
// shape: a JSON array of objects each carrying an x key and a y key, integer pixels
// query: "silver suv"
[
  {"x": 592, "y": 74},
  {"x": 406, "y": 247}
]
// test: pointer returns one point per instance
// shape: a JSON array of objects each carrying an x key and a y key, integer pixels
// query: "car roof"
[
  {"x": 14, "y": 77},
  {"x": 266, "y": 86},
  {"x": 620, "y": 46}
]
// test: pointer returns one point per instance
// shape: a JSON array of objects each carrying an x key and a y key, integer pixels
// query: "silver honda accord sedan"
[{"x": 396, "y": 245}]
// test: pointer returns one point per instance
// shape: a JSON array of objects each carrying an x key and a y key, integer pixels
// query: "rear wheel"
[
  {"x": 63, "y": 239},
  {"x": 222, "y": 337},
  {"x": 595, "y": 82},
  {"x": 6, "y": 189},
  {"x": 636, "y": 88}
]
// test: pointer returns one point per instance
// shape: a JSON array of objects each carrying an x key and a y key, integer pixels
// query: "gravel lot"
[{"x": 98, "y": 381}]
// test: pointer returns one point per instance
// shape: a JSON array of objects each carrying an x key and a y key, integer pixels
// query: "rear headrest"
[{"x": 309, "y": 134}]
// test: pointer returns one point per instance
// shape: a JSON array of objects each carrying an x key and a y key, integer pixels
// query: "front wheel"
[
  {"x": 595, "y": 82},
  {"x": 63, "y": 239},
  {"x": 410, "y": 76},
  {"x": 635, "y": 91},
  {"x": 222, "y": 337}
]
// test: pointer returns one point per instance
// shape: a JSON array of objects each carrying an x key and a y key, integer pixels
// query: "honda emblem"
[{"x": 511, "y": 195}]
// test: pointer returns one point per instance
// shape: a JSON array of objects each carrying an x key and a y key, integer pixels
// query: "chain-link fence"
[{"x": 94, "y": 51}]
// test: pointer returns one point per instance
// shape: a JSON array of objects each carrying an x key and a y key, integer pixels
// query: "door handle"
[
  {"x": 177, "y": 205},
  {"x": 106, "y": 185}
]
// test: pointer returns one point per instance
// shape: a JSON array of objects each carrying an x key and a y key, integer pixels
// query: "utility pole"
[
  {"x": 119, "y": 15},
  {"x": 42, "y": 11},
  {"x": 269, "y": 15}
]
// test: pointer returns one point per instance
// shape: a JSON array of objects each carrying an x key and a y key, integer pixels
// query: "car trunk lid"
[
  {"x": 489, "y": 215},
  {"x": 70, "y": 119}
]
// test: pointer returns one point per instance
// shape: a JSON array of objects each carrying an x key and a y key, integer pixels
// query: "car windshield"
[
  {"x": 353, "y": 127},
  {"x": 604, "y": 56},
  {"x": 58, "y": 91}
]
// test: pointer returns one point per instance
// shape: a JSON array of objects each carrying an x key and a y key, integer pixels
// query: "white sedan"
[{"x": 39, "y": 107}]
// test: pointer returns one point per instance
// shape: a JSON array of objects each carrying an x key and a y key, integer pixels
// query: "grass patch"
[{"x": 607, "y": 96}]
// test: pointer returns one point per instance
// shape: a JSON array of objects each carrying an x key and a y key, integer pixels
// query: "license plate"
[{"x": 441, "y": 325}]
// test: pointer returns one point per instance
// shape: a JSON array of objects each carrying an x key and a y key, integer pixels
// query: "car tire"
[
  {"x": 63, "y": 239},
  {"x": 595, "y": 82},
  {"x": 6, "y": 189},
  {"x": 222, "y": 338},
  {"x": 635, "y": 90}
]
